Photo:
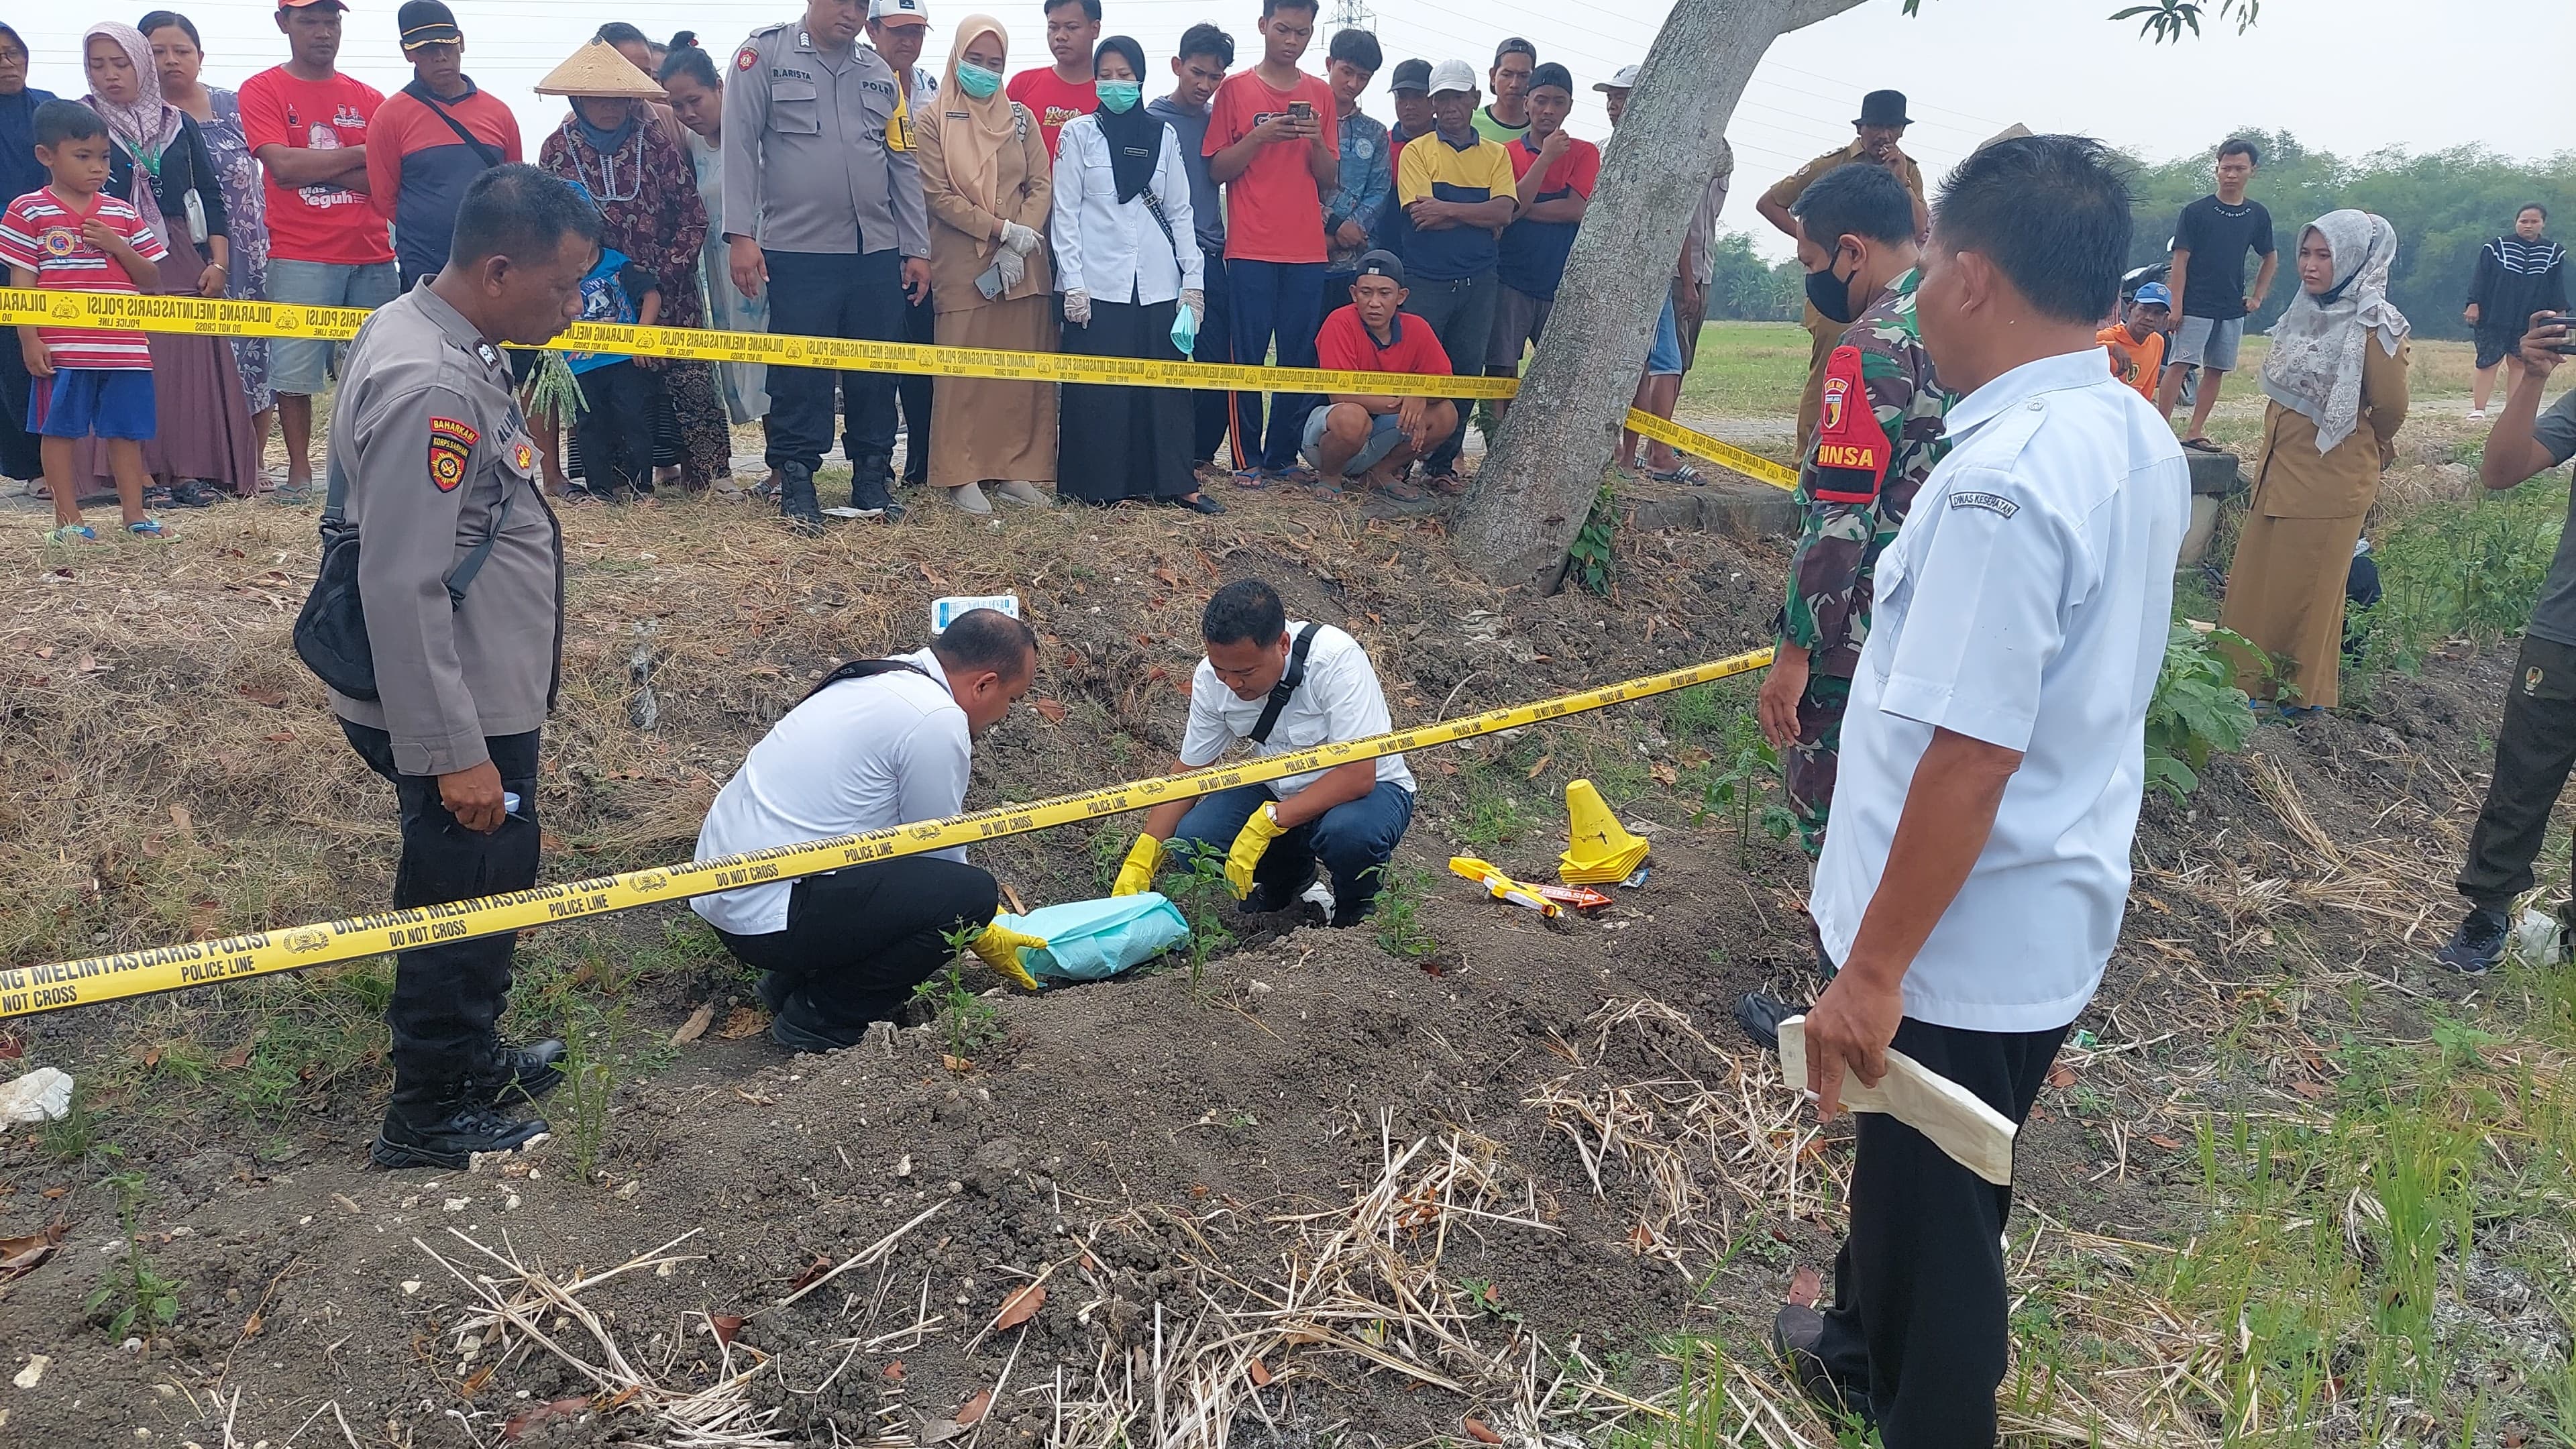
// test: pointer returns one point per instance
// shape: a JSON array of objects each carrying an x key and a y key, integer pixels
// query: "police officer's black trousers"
[
  {"x": 859, "y": 940},
  {"x": 920, "y": 324},
  {"x": 2535, "y": 746},
  {"x": 447, "y": 999},
  {"x": 1919, "y": 1325},
  {"x": 833, "y": 294}
]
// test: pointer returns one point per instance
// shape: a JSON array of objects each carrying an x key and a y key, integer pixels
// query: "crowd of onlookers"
[{"x": 1055, "y": 208}]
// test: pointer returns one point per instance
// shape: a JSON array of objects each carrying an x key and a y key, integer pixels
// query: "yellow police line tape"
[
  {"x": 224, "y": 317},
  {"x": 26, "y": 990}
]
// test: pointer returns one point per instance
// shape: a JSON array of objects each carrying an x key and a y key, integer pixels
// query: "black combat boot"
[
  {"x": 872, "y": 488},
  {"x": 796, "y": 501},
  {"x": 443, "y": 1124},
  {"x": 511, "y": 1075}
]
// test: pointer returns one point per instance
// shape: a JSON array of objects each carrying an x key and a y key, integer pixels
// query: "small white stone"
[
  {"x": 185, "y": 1231},
  {"x": 903, "y": 1166},
  {"x": 457, "y": 1204},
  {"x": 410, "y": 1286}
]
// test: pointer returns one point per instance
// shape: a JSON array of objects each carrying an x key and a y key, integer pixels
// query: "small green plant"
[
  {"x": 1494, "y": 814},
  {"x": 1206, "y": 899},
  {"x": 1741, "y": 791},
  {"x": 590, "y": 1083},
  {"x": 135, "y": 1294},
  {"x": 1590, "y": 560},
  {"x": 1399, "y": 914},
  {"x": 967, "y": 1022},
  {"x": 74, "y": 1135},
  {"x": 2196, "y": 711}
]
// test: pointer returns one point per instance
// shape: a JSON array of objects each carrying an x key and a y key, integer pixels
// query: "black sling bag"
[{"x": 1286, "y": 686}]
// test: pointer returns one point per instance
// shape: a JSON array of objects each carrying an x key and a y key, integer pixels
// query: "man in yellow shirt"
[{"x": 1881, "y": 126}]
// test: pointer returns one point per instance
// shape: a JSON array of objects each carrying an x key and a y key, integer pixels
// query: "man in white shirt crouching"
[
  {"x": 1972, "y": 887},
  {"x": 1283, "y": 685},
  {"x": 879, "y": 743}
]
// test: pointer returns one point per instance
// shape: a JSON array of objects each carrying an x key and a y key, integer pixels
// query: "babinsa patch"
[{"x": 451, "y": 442}]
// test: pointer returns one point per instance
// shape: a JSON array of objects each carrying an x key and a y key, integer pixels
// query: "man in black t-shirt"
[{"x": 2209, "y": 247}]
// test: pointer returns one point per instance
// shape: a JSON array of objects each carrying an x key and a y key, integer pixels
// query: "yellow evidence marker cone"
[{"x": 1602, "y": 849}]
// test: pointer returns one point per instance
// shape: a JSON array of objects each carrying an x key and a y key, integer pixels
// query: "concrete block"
[
  {"x": 1653, "y": 514},
  {"x": 2214, "y": 474},
  {"x": 1748, "y": 510}
]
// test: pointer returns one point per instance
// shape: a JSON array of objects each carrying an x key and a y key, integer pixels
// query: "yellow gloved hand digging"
[
  {"x": 1249, "y": 847},
  {"x": 1136, "y": 876},
  {"x": 1000, "y": 948}
]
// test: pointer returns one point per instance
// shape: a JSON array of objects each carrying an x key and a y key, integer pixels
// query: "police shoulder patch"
[
  {"x": 746, "y": 58},
  {"x": 451, "y": 442}
]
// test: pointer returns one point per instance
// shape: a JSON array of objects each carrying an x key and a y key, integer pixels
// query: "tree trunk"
[{"x": 1538, "y": 484}]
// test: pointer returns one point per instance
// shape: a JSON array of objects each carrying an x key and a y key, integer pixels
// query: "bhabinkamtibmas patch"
[
  {"x": 1991, "y": 502},
  {"x": 450, "y": 443}
]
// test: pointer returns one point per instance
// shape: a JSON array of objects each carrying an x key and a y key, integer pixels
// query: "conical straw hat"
[{"x": 598, "y": 70}]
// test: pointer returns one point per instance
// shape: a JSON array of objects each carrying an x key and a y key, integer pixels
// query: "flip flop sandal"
[
  {"x": 148, "y": 528},
  {"x": 1448, "y": 485},
  {"x": 1401, "y": 491},
  {"x": 1682, "y": 473},
  {"x": 72, "y": 533},
  {"x": 2201, "y": 445}
]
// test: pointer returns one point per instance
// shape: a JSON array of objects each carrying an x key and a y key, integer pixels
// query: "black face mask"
[{"x": 1831, "y": 295}]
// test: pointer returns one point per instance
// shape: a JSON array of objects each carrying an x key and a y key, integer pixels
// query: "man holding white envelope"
[{"x": 1993, "y": 760}]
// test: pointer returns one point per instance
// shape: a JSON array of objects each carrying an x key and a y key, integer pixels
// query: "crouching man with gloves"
[
  {"x": 1283, "y": 686},
  {"x": 879, "y": 743}
]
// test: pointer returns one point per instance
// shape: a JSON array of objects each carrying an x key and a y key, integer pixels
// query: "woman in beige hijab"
[
  {"x": 989, "y": 185},
  {"x": 2336, "y": 377}
]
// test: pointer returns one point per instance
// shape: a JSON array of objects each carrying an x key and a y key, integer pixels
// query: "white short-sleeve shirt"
[
  {"x": 2025, "y": 603},
  {"x": 1339, "y": 700},
  {"x": 864, "y": 754}
]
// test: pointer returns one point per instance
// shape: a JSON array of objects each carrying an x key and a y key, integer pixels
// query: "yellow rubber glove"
[
  {"x": 1000, "y": 948},
  {"x": 1136, "y": 876},
  {"x": 1249, "y": 846}
]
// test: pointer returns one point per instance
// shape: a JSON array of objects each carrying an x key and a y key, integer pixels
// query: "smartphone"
[
  {"x": 1303, "y": 112},
  {"x": 2566, "y": 347}
]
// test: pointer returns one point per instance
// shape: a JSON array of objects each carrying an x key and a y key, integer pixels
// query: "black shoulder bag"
[
  {"x": 1287, "y": 685},
  {"x": 331, "y": 630},
  {"x": 483, "y": 151}
]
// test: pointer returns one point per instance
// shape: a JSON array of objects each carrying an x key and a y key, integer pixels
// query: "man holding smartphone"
[
  {"x": 1266, "y": 145},
  {"x": 2536, "y": 745}
]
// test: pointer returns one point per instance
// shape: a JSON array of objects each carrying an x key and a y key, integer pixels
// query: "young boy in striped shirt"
[{"x": 71, "y": 235}]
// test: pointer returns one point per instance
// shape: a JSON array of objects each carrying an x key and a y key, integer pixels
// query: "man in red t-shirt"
[
  {"x": 1269, "y": 147},
  {"x": 1557, "y": 173},
  {"x": 1056, "y": 94},
  {"x": 1372, "y": 435},
  {"x": 327, "y": 244}
]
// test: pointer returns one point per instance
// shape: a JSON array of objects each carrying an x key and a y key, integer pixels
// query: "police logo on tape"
[
  {"x": 652, "y": 880},
  {"x": 451, "y": 442},
  {"x": 304, "y": 940}
]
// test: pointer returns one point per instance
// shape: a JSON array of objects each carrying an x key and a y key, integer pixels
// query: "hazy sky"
[{"x": 2346, "y": 75}]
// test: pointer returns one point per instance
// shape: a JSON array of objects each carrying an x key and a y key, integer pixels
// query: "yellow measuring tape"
[
  {"x": 223, "y": 317},
  {"x": 27, "y": 990}
]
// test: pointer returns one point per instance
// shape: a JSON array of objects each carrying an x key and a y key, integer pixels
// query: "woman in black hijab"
[
  {"x": 1129, "y": 266},
  {"x": 19, "y": 175}
]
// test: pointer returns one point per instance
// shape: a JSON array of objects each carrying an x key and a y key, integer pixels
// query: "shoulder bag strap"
[
  {"x": 1287, "y": 686},
  {"x": 463, "y": 576},
  {"x": 863, "y": 669},
  {"x": 490, "y": 157}
]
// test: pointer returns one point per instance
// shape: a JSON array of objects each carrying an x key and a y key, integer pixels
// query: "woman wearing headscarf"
[
  {"x": 2337, "y": 379},
  {"x": 1129, "y": 266},
  {"x": 696, "y": 89},
  {"x": 19, "y": 175},
  {"x": 2519, "y": 273},
  {"x": 648, "y": 194},
  {"x": 180, "y": 56},
  {"x": 160, "y": 163},
  {"x": 986, "y": 178}
]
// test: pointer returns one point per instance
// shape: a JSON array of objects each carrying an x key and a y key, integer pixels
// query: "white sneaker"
[
  {"x": 1024, "y": 493},
  {"x": 970, "y": 499},
  {"x": 2477, "y": 415}
]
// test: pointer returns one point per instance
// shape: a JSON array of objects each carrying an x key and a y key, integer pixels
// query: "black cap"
[
  {"x": 1515, "y": 46},
  {"x": 1410, "y": 75},
  {"x": 1552, "y": 74},
  {"x": 1883, "y": 108},
  {"x": 1381, "y": 263},
  {"x": 427, "y": 22}
]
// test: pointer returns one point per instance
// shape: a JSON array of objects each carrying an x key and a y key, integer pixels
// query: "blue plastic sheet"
[{"x": 1091, "y": 940}]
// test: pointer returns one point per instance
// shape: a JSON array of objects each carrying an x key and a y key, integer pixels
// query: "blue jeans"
[
  {"x": 1352, "y": 841},
  {"x": 1273, "y": 300}
]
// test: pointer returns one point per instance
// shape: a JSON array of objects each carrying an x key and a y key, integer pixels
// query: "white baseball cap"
[
  {"x": 1452, "y": 75},
  {"x": 899, "y": 12},
  {"x": 1624, "y": 80}
]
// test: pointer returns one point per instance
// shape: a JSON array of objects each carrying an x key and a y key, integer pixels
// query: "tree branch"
[{"x": 1803, "y": 13}]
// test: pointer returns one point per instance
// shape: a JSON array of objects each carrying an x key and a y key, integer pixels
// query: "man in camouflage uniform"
[{"x": 1879, "y": 433}]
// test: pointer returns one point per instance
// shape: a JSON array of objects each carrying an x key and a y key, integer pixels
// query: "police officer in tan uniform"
[
  {"x": 1880, "y": 127},
  {"x": 824, "y": 204},
  {"x": 460, "y": 571}
]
